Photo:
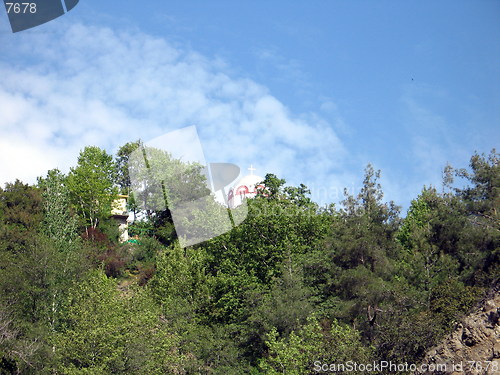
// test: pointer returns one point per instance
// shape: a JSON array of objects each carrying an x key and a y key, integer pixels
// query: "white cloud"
[{"x": 82, "y": 85}]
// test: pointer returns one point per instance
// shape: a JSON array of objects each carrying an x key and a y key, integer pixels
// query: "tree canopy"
[{"x": 291, "y": 288}]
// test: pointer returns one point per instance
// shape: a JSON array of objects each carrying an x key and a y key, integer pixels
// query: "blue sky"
[{"x": 311, "y": 91}]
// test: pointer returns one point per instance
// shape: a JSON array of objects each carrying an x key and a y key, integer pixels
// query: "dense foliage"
[{"x": 293, "y": 287}]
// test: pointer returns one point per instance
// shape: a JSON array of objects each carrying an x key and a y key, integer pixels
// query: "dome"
[{"x": 246, "y": 187}]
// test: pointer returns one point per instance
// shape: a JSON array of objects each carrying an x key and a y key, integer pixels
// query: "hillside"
[
  {"x": 475, "y": 343},
  {"x": 292, "y": 287}
]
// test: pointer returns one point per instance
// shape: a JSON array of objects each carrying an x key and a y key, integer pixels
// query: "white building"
[{"x": 246, "y": 187}]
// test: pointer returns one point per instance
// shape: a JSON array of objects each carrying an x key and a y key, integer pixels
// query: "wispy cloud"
[
  {"x": 430, "y": 143},
  {"x": 81, "y": 85},
  {"x": 431, "y": 134}
]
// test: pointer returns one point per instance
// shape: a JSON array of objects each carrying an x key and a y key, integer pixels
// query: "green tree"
[
  {"x": 34, "y": 274},
  {"x": 8, "y": 335},
  {"x": 106, "y": 332},
  {"x": 21, "y": 212},
  {"x": 91, "y": 185},
  {"x": 417, "y": 217},
  {"x": 430, "y": 235},
  {"x": 483, "y": 197},
  {"x": 59, "y": 224},
  {"x": 312, "y": 345},
  {"x": 365, "y": 233},
  {"x": 180, "y": 273},
  {"x": 253, "y": 253},
  {"x": 161, "y": 185},
  {"x": 122, "y": 165},
  {"x": 351, "y": 274},
  {"x": 284, "y": 307},
  {"x": 441, "y": 240},
  {"x": 34, "y": 284},
  {"x": 273, "y": 187},
  {"x": 407, "y": 335},
  {"x": 161, "y": 181},
  {"x": 299, "y": 195}
]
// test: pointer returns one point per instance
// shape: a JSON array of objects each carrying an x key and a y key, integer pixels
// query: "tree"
[
  {"x": 304, "y": 351},
  {"x": 364, "y": 235},
  {"x": 284, "y": 307},
  {"x": 164, "y": 186},
  {"x": 34, "y": 272},
  {"x": 273, "y": 187},
  {"x": 160, "y": 181},
  {"x": 483, "y": 197},
  {"x": 106, "y": 333},
  {"x": 180, "y": 273},
  {"x": 417, "y": 217},
  {"x": 34, "y": 284},
  {"x": 351, "y": 273},
  {"x": 122, "y": 165},
  {"x": 91, "y": 185},
  {"x": 299, "y": 195},
  {"x": 21, "y": 213},
  {"x": 430, "y": 234},
  {"x": 58, "y": 224}
]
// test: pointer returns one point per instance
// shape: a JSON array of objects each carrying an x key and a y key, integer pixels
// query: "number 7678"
[{"x": 21, "y": 7}]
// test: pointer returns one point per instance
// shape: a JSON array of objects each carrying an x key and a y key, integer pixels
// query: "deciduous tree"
[{"x": 91, "y": 185}]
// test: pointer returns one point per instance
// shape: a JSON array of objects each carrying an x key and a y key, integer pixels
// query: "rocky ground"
[{"x": 474, "y": 346}]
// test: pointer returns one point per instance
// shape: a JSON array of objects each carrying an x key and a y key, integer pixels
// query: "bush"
[
  {"x": 114, "y": 263},
  {"x": 452, "y": 299},
  {"x": 146, "y": 272},
  {"x": 147, "y": 249}
]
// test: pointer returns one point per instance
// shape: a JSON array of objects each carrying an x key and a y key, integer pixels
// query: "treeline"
[{"x": 292, "y": 287}]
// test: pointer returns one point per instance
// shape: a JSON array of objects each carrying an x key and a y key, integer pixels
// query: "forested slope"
[{"x": 294, "y": 286}]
